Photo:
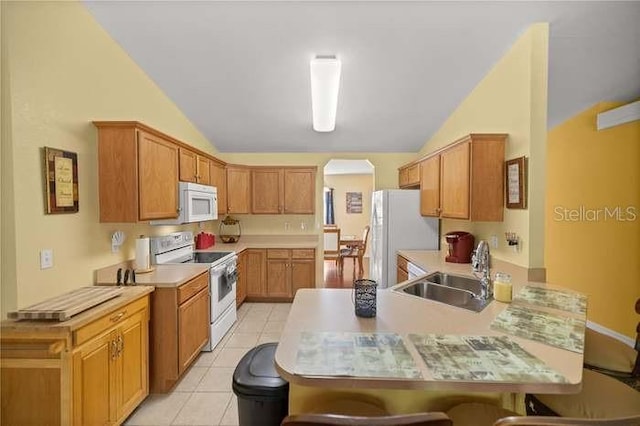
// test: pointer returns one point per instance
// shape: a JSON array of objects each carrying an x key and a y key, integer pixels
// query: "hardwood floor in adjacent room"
[{"x": 332, "y": 278}]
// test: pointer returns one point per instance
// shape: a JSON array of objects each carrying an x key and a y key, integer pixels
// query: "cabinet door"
[
  {"x": 157, "y": 177},
  {"x": 299, "y": 191},
  {"x": 256, "y": 272},
  {"x": 93, "y": 381},
  {"x": 454, "y": 175},
  {"x": 188, "y": 165},
  {"x": 204, "y": 172},
  {"x": 238, "y": 190},
  {"x": 266, "y": 191},
  {"x": 193, "y": 328},
  {"x": 430, "y": 186},
  {"x": 413, "y": 175},
  {"x": 241, "y": 283},
  {"x": 303, "y": 274},
  {"x": 401, "y": 275},
  {"x": 278, "y": 279},
  {"x": 132, "y": 377},
  {"x": 219, "y": 180}
]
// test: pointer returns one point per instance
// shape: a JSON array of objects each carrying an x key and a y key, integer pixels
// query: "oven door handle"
[{"x": 219, "y": 270}]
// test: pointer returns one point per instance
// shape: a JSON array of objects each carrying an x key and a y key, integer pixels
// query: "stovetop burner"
[{"x": 209, "y": 257}]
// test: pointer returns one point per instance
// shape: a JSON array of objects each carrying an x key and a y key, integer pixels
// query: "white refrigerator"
[{"x": 396, "y": 224}]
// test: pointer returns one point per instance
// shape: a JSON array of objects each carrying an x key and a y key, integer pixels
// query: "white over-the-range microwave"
[{"x": 198, "y": 203}]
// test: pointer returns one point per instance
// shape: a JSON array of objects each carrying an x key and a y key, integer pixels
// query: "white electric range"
[{"x": 178, "y": 247}]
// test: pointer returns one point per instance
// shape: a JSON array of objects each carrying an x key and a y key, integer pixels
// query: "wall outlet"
[
  {"x": 286, "y": 226},
  {"x": 46, "y": 258},
  {"x": 494, "y": 241},
  {"x": 303, "y": 226}
]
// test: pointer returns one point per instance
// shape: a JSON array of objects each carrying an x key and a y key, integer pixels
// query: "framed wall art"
[
  {"x": 61, "y": 180},
  {"x": 354, "y": 202},
  {"x": 516, "y": 179}
]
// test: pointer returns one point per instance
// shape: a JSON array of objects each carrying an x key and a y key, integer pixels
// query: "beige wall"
[
  {"x": 510, "y": 99},
  {"x": 351, "y": 224},
  {"x": 597, "y": 255},
  {"x": 60, "y": 71}
]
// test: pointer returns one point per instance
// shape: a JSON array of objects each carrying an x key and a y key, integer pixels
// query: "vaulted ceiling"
[{"x": 239, "y": 70}]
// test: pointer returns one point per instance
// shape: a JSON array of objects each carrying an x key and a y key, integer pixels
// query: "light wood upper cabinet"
[
  {"x": 471, "y": 180},
  {"x": 219, "y": 180},
  {"x": 455, "y": 181},
  {"x": 137, "y": 173},
  {"x": 409, "y": 176},
  {"x": 430, "y": 186},
  {"x": 238, "y": 189},
  {"x": 158, "y": 177},
  {"x": 299, "y": 190},
  {"x": 266, "y": 191},
  {"x": 283, "y": 190},
  {"x": 194, "y": 168}
]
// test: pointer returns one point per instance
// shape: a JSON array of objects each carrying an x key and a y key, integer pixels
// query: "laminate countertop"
[
  {"x": 175, "y": 275},
  {"x": 266, "y": 241},
  {"x": 54, "y": 328}
]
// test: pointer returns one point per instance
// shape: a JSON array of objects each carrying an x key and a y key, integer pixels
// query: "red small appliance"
[
  {"x": 205, "y": 240},
  {"x": 460, "y": 246}
]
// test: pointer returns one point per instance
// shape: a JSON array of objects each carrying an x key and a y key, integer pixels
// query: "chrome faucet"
[{"x": 480, "y": 263}]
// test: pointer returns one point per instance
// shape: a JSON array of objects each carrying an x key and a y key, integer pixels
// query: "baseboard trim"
[{"x": 618, "y": 336}]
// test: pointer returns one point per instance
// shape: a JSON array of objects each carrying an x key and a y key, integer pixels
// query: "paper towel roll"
[{"x": 141, "y": 262}]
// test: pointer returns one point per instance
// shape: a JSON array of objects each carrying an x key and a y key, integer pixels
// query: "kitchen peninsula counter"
[{"x": 332, "y": 310}]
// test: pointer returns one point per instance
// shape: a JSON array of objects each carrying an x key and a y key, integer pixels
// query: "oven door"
[
  {"x": 199, "y": 206},
  {"x": 223, "y": 288}
]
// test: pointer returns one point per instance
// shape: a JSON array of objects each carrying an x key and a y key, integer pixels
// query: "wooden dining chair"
[
  {"x": 355, "y": 251},
  {"x": 332, "y": 244},
  {"x": 420, "y": 419}
]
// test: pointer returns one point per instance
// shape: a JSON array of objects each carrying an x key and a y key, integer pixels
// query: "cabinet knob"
[{"x": 118, "y": 316}]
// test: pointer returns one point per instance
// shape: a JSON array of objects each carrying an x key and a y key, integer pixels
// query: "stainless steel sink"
[
  {"x": 453, "y": 290},
  {"x": 465, "y": 283}
]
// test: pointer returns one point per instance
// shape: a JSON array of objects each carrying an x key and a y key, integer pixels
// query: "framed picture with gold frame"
[
  {"x": 516, "y": 183},
  {"x": 61, "y": 181}
]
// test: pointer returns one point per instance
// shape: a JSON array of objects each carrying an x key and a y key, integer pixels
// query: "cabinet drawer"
[
  {"x": 108, "y": 321},
  {"x": 278, "y": 254},
  {"x": 402, "y": 263},
  {"x": 186, "y": 291},
  {"x": 303, "y": 254}
]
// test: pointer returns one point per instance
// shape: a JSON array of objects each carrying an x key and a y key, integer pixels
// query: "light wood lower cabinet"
[
  {"x": 256, "y": 272},
  {"x": 179, "y": 329},
  {"x": 403, "y": 273},
  {"x": 95, "y": 374},
  {"x": 289, "y": 270},
  {"x": 276, "y": 274}
]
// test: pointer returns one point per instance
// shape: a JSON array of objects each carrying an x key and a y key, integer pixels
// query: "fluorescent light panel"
[{"x": 325, "y": 85}]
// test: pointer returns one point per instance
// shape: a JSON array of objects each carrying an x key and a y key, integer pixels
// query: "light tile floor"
[{"x": 204, "y": 395}]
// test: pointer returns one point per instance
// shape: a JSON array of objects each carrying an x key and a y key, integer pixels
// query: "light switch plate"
[
  {"x": 494, "y": 241},
  {"x": 46, "y": 258}
]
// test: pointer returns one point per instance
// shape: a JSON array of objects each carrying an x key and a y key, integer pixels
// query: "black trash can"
[{"x": 263, "y": 396}]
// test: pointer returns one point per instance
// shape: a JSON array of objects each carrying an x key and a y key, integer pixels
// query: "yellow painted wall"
[
  {"x": 593, "y": 253},
  {"x": 60, "y": 71},
  {"x": 351, "y": 223},
  {"x": 510, "y": 99}
]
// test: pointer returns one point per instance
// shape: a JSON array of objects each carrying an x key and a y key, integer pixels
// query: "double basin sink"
[{"x": 454, "y": 290}]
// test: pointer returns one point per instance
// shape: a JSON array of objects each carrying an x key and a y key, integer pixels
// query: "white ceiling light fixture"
[{"x": 325, "y": 85}]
